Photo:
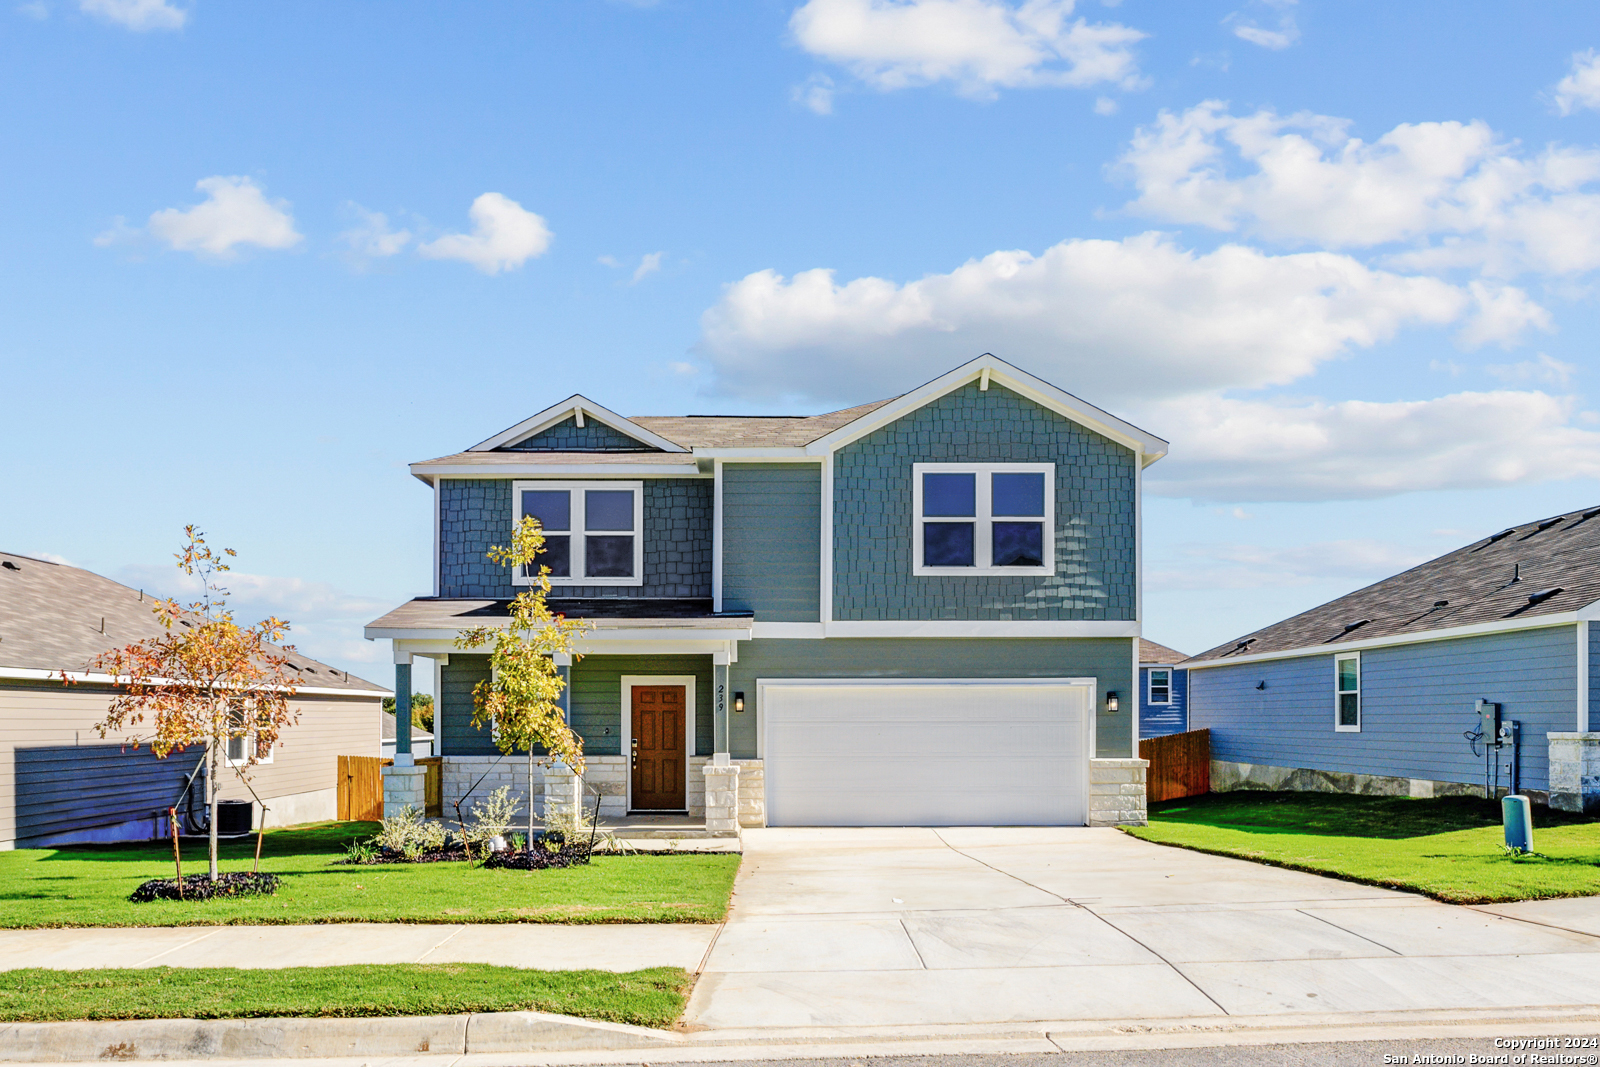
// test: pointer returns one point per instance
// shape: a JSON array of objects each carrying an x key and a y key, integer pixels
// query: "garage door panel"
[{"x": 931, "y": 754}]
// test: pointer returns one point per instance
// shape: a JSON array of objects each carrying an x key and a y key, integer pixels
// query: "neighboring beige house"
[{"x": 61, "y": 783}]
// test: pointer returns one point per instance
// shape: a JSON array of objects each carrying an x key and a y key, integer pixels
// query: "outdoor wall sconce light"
[
  {"x": 738, "y": 702},
  {"x": 1113, "y": 704}
]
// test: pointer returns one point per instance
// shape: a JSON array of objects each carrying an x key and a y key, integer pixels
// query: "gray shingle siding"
[
  {"x": 1095, "y": 515},
  {"x": 1108, "y": 659},
  {"x": 475, "y": 513},
  {"x": 772, "y": 540},
  {"x": 1416, "y": 702},
  {"x": 566, "y": 436}
]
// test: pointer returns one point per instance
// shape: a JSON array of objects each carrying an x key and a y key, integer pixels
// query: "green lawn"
[
  {"x": 1449, "y": 849},
  {"x": 89, "y": 886},
  {"x": 644, "y": 998}
]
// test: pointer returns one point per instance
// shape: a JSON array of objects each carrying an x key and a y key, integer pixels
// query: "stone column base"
[
  {"x": 1117, "y": 792},
  {"x": 1575, "y": 772},
  {"x": 722, "y": 799},
  {"x": 404, "y": 787},
  {"x": 563, "y": 792}
]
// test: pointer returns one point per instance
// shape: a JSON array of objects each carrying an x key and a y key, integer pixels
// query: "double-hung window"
[
  {"x": 983, "y": 518},
  {"x": 1160, "y": 686},
  {"x": 243, "y": 743},
  {"x": 593, "y": 531},
  {"x": 1347, "y": 692}
]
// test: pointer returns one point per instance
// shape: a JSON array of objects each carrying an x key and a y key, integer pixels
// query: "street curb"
[{"x": 201, "y": 1039}]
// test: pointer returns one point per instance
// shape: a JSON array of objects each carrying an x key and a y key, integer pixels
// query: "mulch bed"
[
  {"x": 539, "y": 858},
  {"x": 201, "y": 887}
]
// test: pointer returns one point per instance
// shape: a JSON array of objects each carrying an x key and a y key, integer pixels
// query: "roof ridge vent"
[
  {"x": 1542, "y": 595},
  {"x": 1497, "y": 537},
  {"x": 1542, "y": 527}
]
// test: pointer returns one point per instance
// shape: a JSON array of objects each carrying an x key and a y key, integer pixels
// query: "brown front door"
[{"x": 658, "y": 748}]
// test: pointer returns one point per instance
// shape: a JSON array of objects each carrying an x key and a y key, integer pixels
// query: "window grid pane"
[
  {"x": 947, "y": 544},
  {"x": 552, "y": 507},
  {"x": 608, "y": 509},
  {"x": 608, "y": 556},
  {"x": 1018, "y": 494},
  {"x": 950, "y": 494},
  {"x": 1018, "y": 544}
]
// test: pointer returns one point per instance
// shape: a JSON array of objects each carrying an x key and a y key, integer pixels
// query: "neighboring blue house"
[
  {"x": 921, "y": 611},
  {"x": 1377, "y": 692},
  {"x": 1163, "y": 690}
]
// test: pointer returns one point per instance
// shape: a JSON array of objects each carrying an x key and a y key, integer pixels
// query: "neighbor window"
[
  {"x": 1347, "y": 692},
  {"x": 1160, "y": 686},
  {"x": 983, "y": 518},
  {"x": 593, "y": 531},
  {"x": 240, "y": 745}
]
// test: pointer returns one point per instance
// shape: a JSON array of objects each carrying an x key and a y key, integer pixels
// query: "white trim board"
[
  {"x": 965, "y": 628},
  {"x": 1541, "y": 622},
  {"x": 580, "y": 406},
  {"x": 1149, "y": 447},
  {"x": 39, "y": 674},
  {"x": 427, "y": 471},
  {"x": 628, "y": 681}
]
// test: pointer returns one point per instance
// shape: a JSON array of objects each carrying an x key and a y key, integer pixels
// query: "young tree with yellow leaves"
[
  {"x": 206, "y": 681},
  {"x": 521, "y": 701}
]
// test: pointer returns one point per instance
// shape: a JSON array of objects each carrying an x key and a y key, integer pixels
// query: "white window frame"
[
  {"x": 249, "y": 739},
  {"x": 579, "y": 536},
  {"x": 1337, "y": 693},
  {"x": 1150, "y": 691},
  {"x": 983, "y": 521}
]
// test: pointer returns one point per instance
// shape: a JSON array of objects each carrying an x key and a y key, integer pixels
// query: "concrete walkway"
[{"x": 855, "y": 931}]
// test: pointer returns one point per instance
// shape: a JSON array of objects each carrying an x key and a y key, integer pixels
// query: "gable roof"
[
  {"x": 1150, "y": 652},
  {"x": 579, "y": 407},
  {"x": 678, "y": 439},
  {"x": 1523, "y": 573},
  {"x": 59, "y": 618}
]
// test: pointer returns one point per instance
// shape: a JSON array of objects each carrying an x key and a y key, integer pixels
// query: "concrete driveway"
[{"x": 877, "y": 929}]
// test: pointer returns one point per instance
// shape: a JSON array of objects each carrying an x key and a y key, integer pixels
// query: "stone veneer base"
[
  {"x": 1117, "y": 792},
  {"x": 606, "y": 776},
  {"x": 1228, "y": 777}
]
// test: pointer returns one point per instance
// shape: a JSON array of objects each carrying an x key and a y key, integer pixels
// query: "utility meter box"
[{"x": 1489, "y": 723}]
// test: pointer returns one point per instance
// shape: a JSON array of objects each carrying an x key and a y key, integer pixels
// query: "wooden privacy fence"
[
  {"x": 361, "y": 788},
  {"x": 1180, "y": 765}
]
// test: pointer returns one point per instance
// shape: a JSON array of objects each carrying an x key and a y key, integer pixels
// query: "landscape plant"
[
  {"x": 521, "y": 700},
  {"x": 206, "y": 680}
]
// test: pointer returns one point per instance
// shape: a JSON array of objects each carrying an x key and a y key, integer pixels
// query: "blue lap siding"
[
  {"x": 1158, "y": 719},
  {"x": 1416, "y": 702}
]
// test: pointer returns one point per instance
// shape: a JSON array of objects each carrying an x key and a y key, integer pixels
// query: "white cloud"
[
  {"x": 1542, "y": 368},
  {"x": 34, "y": 9},
  {"x": 235, "y": 212},
  {"x": 1116, "y": 321},
  {"x": 1226, "y": 449},
  {"x": 372, "y": 237},
  {"x": 1581, "y": 87},
  {"x": 649, "y": 263},
  {"x": 1462, "y": 197},
  {"x": 504, "y": 236},
  {"x": 1105, "y": 105},
  {"x": 1223, "y": 565},
  {"x": 815, "y": 93},
  {"x": 1246, "y": 29},
  {"x": 137, "y": 14},
  {"x": 980, "y": 46}
]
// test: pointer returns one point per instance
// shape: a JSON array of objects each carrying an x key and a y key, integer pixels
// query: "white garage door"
[{"x": 935, "y": 753}]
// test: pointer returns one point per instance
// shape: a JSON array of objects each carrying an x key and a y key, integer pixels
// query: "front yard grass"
[
  {"x": 653, "y": 997},
  {"x": 1448, "y": 848},
  {"x": 89, "y": 886}
]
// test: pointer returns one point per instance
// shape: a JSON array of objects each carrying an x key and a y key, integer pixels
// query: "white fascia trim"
[
  {"x": 772, "y": 454},
  {"x": 1583, "y": 675},
  {"x": 575, "y": 403},
  {"x": 774, "y": 683},
  {"x": 963, "y": 628},
  {"x": 425, "y": 642},
  {"x": 1542, "y": 622},
  {"x": 557, "y": 470},
  {"x": 1148, "y": 445},
  {"x": 38, "y": 674},
  {"x": 716, "y": 536},
  {"x": 796, "y": 630},
  {"x": 700, "y": 647},
  {"x": 720, "y": 636}
]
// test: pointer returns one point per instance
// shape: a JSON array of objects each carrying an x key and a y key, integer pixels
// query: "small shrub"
[
  {"x": 409, "y": 834},
  {"x": 358, "y": 851},
  {"x": 492, "y": 818}
]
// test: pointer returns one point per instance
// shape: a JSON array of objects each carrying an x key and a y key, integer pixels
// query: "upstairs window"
[
  {"x": 1160, "y": 686},
  {"x": 983, "y": 518},
  {"x": 593, "y": 531},
  {"x": 1347, "y": 692}
]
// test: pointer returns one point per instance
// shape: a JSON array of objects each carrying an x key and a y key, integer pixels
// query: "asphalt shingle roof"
[
  {"x": 1150, "y": 652},
  {"x": 1539, "y": 568},
  {"x": 54, "y": 617}
]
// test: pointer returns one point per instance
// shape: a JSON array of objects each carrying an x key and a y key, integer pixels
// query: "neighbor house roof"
[
  {"x": 1549, "y": 567},
  {"x": 59, "y": 618},
  {"x": 1150, "y": 652},
  {"x": 417, "y": 732}
]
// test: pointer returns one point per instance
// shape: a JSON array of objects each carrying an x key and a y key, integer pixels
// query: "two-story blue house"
[{"x": 922, "y": 611}]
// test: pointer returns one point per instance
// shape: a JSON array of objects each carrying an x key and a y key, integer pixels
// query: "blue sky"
[{"x": 256, "y": 258}]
